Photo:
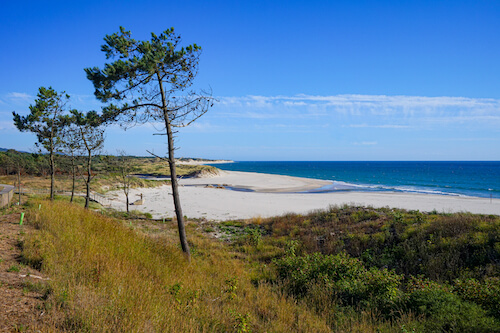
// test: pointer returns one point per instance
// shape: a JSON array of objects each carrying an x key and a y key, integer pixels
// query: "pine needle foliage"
[
  {"x": 149, "y": 81},
  {"x": 46, "y": 120}
]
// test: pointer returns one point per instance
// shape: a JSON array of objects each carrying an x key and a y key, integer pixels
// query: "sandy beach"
[{"x": 242, "y": 195}]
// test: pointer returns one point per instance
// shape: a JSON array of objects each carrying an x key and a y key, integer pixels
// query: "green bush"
[
  {"x": 344, "y": 277},
  {"x": 486, "y": 294},
  {"x": 441, "y": 247},
  {"x": 446, "y": 312}
]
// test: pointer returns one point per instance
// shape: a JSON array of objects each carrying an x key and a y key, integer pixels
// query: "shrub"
[
  {"x": 486, "y": 294},
  {"x": 446, "y": 312},
  {"x": 344, "y": 277},
  {"x": 442, "y": 247}
]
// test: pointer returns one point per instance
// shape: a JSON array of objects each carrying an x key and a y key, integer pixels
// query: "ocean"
[{"x": 475, "y": 179}]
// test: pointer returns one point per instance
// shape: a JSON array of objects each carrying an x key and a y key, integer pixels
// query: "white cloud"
[
  {"x": 365, "y": 101},
  {"x": 365, "y": 143},
  {"x": 377, "y": 126},
  {"x": 18, "y": 95},
  {"x": 378, "y": 110}
]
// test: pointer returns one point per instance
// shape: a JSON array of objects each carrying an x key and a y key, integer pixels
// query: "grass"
[
  {"x": 102, "y": 183},
  {"x": 155, "y": 166},
  {"x": 106, "y": 276},
  {"x": 80, "y": 201},
  {"x": 14, "y": 269},
  {"x": 346, "y": 269},
  {"x": 108, "y": 181}
]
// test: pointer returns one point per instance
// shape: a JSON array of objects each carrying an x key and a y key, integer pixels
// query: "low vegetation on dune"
[
  {"x": 158, "y": 167},
  {"x": 34, "y": 173},
  {"x": 109, "y": 277},
  {"x": 102, "y": 183},
  {"x": 419, "y": 272},
  {"x": 343, "y": 269}
]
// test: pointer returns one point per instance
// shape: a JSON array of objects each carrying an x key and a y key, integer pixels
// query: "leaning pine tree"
[{"x": 149, "y": 80}]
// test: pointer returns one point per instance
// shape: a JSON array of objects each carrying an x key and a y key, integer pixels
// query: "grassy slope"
[
  {"x": 319, "y": 272},
  {"x": 107, "y": 277},
  {"x": 158, "y": 167}
]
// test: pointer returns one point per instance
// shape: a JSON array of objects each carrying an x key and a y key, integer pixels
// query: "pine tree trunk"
[
  {"x": 89, "y": 178},
  {"x": 73, "y": 180},
  {"x": 175, "y": 194},
  {"x": 173, "y": 174},
  {"x": 126, "y": 200},
  {"x": 52, "y": 175}
]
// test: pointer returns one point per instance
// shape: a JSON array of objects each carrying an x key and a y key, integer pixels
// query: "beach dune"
[{"x": 241, "y": 195}]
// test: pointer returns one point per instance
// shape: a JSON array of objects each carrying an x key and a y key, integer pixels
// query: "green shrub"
[
  {"x": 344, "y": 277},
  {"x": 441, "y": 247},
  {"x": 486, "y": 294},
  {"x": 446, "y": 312}
]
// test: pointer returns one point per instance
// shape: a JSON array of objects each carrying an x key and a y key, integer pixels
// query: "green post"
[
  {"x": 39, "y": 206},
  {"x": 163, "y": 220},
  {"x": 21, "y": 220}
]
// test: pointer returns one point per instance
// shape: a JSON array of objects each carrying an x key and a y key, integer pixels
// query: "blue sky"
[{"x": 295, "y": 80}]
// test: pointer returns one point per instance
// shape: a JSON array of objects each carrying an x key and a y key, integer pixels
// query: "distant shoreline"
[{"x": 202, "y": 162}]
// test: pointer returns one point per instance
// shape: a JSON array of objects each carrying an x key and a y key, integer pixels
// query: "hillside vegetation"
[
  {"x": 34, "y": 171},
  {"x": 343, "y": 269}
]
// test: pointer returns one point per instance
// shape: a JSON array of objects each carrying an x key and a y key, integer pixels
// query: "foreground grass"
[
  {"x": 108, "y": 277},
  {"x": 345, "y": 269}
]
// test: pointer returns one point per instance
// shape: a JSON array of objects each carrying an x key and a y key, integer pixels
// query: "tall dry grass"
[{"x": 108, "y": 277}]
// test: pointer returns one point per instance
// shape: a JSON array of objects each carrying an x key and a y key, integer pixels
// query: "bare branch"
[{"x": 153, "y": 154}]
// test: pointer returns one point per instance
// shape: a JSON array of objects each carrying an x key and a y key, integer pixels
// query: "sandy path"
[{"x": 272, "y": 197}]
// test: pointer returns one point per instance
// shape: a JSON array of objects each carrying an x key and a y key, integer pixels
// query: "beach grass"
[
  {"x": 102, "y": 183},
  {"x": 109, "y": 277},
  {"x": 345, "y": 269},
  {"x": 161, "y": 168},
  {"x": 106, "y": 180}
]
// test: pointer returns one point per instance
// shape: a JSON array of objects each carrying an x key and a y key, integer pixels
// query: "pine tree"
[
  {"x": 149, "y": 79},
  {"x": 46, "y": 119}
]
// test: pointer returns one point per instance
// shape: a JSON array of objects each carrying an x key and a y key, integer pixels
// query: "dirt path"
[{"x": 21, "y": 306}]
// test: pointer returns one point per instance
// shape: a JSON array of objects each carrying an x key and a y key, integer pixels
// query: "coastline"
[
  {"x": 243, "y": 195},
  {"x": 202, "y": 162}
]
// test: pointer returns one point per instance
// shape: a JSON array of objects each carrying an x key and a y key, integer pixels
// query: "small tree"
[
  {"x": 149, "y": 80},
  {"x": 90, "y": 139},
  {"x": 123, "y": 166},
  {"x": 72, "y": 147},
  {"x": 41, "y": 163},
  {"x": 17, "y": 162},
  {"x": 4, "y": 163},
  {"x": 46, "y": 121}
]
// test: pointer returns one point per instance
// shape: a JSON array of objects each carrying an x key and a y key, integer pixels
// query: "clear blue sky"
[{"x": 296, "y": 80}]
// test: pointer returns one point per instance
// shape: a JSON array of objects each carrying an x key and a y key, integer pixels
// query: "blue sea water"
[{"x": 477, "y": 179}]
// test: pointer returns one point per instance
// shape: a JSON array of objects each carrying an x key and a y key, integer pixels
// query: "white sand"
[{"x": 272, "y": 197}]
